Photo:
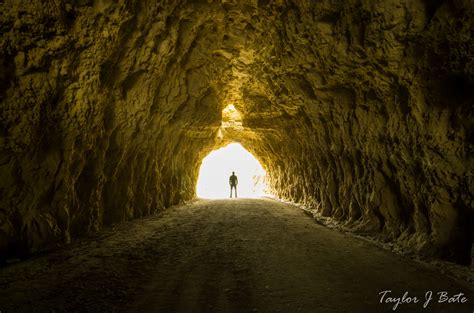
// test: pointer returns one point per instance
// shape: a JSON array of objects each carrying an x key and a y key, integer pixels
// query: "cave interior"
[{"x": 359, "y": 110}]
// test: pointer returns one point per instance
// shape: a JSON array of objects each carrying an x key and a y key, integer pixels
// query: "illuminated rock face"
[{"x": 358, "y": 109}]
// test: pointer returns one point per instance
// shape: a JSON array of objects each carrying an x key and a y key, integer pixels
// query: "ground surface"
[{"x": 223, "y": 256}]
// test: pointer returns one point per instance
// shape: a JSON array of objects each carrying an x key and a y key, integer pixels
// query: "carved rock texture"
[{"x": 359, "y": 109}]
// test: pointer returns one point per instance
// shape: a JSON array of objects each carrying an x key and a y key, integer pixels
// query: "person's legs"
[{"x": 233, "y": 187}]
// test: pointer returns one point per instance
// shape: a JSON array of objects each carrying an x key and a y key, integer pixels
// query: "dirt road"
[{"x": 226, "y": 256}]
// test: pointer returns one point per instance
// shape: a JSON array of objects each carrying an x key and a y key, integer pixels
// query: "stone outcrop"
[{"x": 360, "y": 109}]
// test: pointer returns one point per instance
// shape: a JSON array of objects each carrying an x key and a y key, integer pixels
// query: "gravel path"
[{"x": 225, "y": 256}]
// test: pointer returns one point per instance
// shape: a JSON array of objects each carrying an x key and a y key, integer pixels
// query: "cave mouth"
[{"x": 219, "y": 164}]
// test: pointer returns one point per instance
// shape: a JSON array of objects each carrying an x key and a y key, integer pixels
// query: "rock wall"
[
  {"x": 375, "y": 99},
  {"x": 360, "y": 109},
  {"x": 103, "y": 111}
]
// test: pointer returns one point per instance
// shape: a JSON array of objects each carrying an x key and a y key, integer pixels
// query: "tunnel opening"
[{"x": 219, "y": 164}]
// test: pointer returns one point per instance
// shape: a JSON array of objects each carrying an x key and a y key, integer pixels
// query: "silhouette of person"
[{"x": 233, "y": 181}]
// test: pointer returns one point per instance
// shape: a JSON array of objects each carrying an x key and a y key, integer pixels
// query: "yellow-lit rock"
[{"x": 359, "y": 109}]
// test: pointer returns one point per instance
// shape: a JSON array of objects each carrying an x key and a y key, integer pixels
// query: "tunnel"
[
  {"x": 359, "y": 111},
  {"x": 219, "y": 165}
]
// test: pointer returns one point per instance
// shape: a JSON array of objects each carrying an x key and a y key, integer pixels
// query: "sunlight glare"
[{"x": 217, "y": 166}]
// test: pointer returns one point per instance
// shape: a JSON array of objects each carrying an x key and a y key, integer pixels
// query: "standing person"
[{"x": 233, "y": 181}]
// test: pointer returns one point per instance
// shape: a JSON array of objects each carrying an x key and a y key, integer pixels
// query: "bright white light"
[{"x": 217, "y": 166}]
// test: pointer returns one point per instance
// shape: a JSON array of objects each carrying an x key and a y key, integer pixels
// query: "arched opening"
[
  {"x": 217, "y": 166},
  {"x": 231, "y": 118}
]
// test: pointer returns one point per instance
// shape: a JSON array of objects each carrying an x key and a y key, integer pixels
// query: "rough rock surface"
[{"x": 360, "y": 109}]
